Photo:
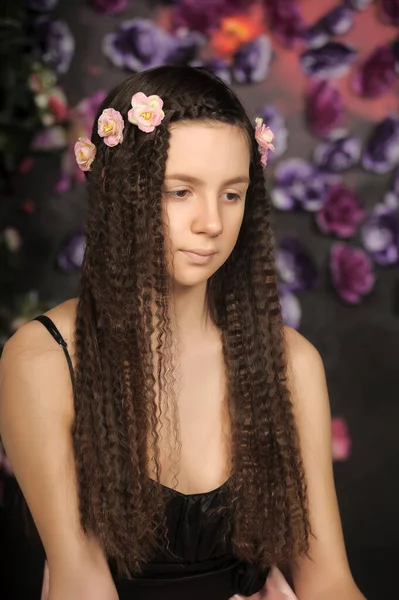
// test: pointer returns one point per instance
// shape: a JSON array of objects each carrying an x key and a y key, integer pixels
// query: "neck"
[{"x": 189, "y": 313}]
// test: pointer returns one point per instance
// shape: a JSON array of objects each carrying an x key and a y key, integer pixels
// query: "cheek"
[{"x": 233, "y": 225}]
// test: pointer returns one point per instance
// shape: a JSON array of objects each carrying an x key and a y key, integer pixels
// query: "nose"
[{"x": 207, "y": 217}]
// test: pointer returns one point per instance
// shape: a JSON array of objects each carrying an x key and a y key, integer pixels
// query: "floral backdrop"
[{"x": 325, "y": 77}]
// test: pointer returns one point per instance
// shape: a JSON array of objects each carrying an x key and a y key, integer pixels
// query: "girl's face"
[{"x": 206, "y": 179}]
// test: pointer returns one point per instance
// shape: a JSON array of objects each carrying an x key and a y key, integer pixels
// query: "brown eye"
[
  {"x": 232, "y": 197},
  {"x": 180, "y": 194}
]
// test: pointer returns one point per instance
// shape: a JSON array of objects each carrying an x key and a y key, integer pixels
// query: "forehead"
[{"x": 213, "y": 147}]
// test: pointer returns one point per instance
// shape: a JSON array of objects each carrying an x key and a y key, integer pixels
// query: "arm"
[
  {"x": 327, "y": 575},
  {"x": 36, "y": 415}
]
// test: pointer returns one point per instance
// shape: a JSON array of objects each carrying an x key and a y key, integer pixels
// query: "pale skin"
[{"x": 204, "y": 210}]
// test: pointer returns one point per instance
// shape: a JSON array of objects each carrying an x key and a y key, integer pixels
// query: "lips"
[{"x": 201, "y": 252}]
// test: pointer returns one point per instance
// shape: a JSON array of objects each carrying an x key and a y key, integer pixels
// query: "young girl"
[{"x": 176, "y": 443}]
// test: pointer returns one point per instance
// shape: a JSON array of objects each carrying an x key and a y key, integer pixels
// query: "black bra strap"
[{"x": 52, "y": 329}]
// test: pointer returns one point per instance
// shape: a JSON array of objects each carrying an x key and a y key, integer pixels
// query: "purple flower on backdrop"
[
  {"x": 252, "y": 61},
  {"x": 380, "y": 235},
  {"x": 324, "y": 107},
  {"x": 285, "y": 21},
  {"x": 391, "y": 198},
  {"x": 295, "y": 266},
  {"x": 358, "y": 4},
  {"x": 274, "y": 119},
  {"x": 298, "y": 184},
  {"x": 54, "y": 44},
  {"x": 377, "y": 74},
  {"x": 42, "y": 5},
  {"x": 337, "y": 21},
  {"x": 110, "y": 7},
  {"x": 341, "y": 213},
  {"x": 70, "y": 257},
  {"x": 351, "y": 272},
  {"x": 218, "y": 66},
  {"x": 338, "y": 153},
  {"x": 205, "y": 15},
  {"x": 389, "y": 11},
  {"x": 291, "y": 309},
  {"x": 138, "y": 44},
  {"x": 331, "y": 60},
  {"x": 186, "y": 47},
  {"x": 381, "y": 153}
]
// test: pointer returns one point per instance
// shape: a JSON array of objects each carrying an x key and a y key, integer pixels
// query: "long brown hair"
[{"x": 116, "y": 427}]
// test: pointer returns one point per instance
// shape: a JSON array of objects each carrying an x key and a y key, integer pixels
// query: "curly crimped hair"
[{"x": 125, "y": 361}]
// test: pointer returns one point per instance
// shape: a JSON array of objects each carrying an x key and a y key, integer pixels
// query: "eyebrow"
[{"x": 190, "y": 179}]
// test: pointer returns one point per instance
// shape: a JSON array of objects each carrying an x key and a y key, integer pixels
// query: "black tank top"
[{"x": 199, "y": 563}]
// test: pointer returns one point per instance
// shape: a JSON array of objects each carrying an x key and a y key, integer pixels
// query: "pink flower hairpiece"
[
  {"x": 146, "y": 112},
  {"x": 264, "y": 136},
  {"x": 85, "y": 152},
  {"x": 110, "y": 127}
]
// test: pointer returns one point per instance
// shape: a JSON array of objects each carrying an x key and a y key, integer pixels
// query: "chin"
[{"x": 190, "y": 280}]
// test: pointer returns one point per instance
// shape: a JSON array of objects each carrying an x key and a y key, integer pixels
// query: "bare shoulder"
[
  {"x": 32, "y": 361},
  {"x": 32, "y": 339},
  {"x": 303, "y": 358}
]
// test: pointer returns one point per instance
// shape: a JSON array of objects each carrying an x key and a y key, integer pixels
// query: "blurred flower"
[
  {"x": 110, "y": 7},
  {"x": 53, "y": 106},
  {"x": 381, "y": 153},
  {"x": 298, "y": 184},
  {"x": 291, "y": 309},
  {"x": 341, "y": 213},
  {"x": 82, "y": 115},
  {"x": 331, "y": 60},
  {"x": 187, "y": 45},
  {"x": 338, "y": 21},
  {"x": 42, "y": 5},
  {"x": 138, "y": 44},
  {"x": 295, "y": 267},
  {"x": 341, "y": 442},
  {"x": 391, "y": 198},
  {"x": 51, "y": 138},
  {"x": 338, "y": 153},
  {"x": 110, "y": 126},
  {"x": 12, "y": 239},
  {"x": 277, "y": 124},
  {"x": 42, "y": 79},
  {"x": 206, "y": 15},
  {"x": 85, "y": 152},
  {"x": 380, "y": 235},
  {"x": 285, "y": 21},
  {"x": 351, "y": 272},
  {"x": 377, "y": 74},
  {"x": 54, "y": 44},
  {"x": 359, "y": 4},
  {"x": 389, "y": 11},
  {"x": 324, "y": 107},
  {"x": 234, "y": 32},
  {"x": 252, "y": 61},
  {"x": 70, "y": 257}
]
